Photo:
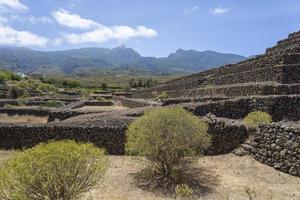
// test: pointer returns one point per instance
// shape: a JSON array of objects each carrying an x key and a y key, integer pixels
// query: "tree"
[
  {"x": 131, "y": 83},
  {"x": 140, "y": 83},
  {"x": 103, "y": 86},
  {"x": 149, "y": 82}
]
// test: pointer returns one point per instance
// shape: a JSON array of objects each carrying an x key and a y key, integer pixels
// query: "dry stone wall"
[
  {"x": 25, "y": 111},
  {"x": 108, "y": 130},
  {"x": 109, "y": 135},
  {"x": 277, "y": 145},
  {"x": 229, "y": 91},
  {"x": 34, "y": 102},
  {"x": 131, "y": 103},
  {"x": 227, "y": 134},
  {"x": 281, "y": 107},
  {"x": 68, "y": 111}
]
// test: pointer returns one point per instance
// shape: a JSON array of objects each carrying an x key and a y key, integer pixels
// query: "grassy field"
[
  {"x": 225, "y": 177},
  {"x": 4, "y": 118}
]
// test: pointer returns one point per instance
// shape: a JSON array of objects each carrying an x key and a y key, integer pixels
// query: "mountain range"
[{"x": 87, "y": 60}]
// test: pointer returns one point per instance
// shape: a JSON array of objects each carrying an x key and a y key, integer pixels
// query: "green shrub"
[
  {"x": 71, "y": 83},
  {"x": 183, "y": 191},
  {"x": 253, "y": 119},
  {"x": 44, "y": 88},
  {"x": 7, "y": 105},
  {"x": 56, "y": 170},
  {"x": 3, "y": 77},
  {"x": 104, "y": 86},
  {"x": 6, "y": 75},
  {"x": 165, "y": 137},
  {"x": 102, "y": 99},
  {"x": 161, "y": 96},
  {"x": 15, "y": 92}
]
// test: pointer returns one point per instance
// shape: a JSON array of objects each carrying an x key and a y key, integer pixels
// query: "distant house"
[{"x": 22, "y": 74}]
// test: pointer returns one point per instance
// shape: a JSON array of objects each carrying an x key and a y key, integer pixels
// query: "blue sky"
[{"x": 153, "y": 28}]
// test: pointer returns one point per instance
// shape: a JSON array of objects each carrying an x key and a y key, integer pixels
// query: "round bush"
[
  {"x": 162, "y": 96},
  {"x": 165, "y": 136},
  {"x": 253, "y": 119},
  {"x": 56, "y": 170}
]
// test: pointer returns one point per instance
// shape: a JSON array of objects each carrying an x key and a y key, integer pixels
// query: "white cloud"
[
  {"x": 65, "y": 18},
  {"x": 10, "y": 36},
  {"x": 31, "y": 19},
  {"x": 219, "y": 11},
  {"x": 12, "y": 5},
  {"x": 188, "y": 11},
  {"x": 13, "y": 10},
  {"x": 35, "y": 20},
  {"x": 99, "y": 33},
  {"x": 10, "y": 10},
  {"x": 105, "y": 33}
]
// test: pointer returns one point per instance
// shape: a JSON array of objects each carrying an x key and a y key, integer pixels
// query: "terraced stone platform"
[{"x": 275, "y": 72}]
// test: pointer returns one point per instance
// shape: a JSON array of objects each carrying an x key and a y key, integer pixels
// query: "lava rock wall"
[{"x": 277, "y": 145}]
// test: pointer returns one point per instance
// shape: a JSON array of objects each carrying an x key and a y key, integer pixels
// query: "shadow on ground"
[{"x": 202, "y": 181}]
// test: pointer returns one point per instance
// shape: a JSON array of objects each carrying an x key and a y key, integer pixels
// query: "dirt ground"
[
  {"x": 232, "y": 176},
  {"x": 4, "y": 118}
]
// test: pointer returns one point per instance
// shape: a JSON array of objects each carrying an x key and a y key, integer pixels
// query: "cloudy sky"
[{"x": 153, "y": 28}]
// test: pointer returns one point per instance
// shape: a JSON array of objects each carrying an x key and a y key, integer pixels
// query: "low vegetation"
[
  {"x": 6, "y": 75},
  {"x": 57, "y": 170},
  {"x": 25, "y": 87},
  {"x": 166, "y": 137},
  {"x": 52, "y": 104},
  {"x": 108, "y": 81},
  {"x": 253, "y": 119},
  {"x": 53, "y": 85},
  {"x": 18, "y": 103},
  {"x": 183, "y": 191},
  {"x": 102, "y": 99},
  {"x": 161, "y": 96},
  {"x": 142, "y": 82}
]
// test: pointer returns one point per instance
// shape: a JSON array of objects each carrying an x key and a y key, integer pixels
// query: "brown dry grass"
[
  {"x": 234, "y": 176},
  {"x": 101, "y": 108},
  {"x": 4, "y": 118}
]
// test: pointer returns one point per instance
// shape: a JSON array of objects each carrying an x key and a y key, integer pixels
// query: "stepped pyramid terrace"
[{"x": 276, "y": 72}]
